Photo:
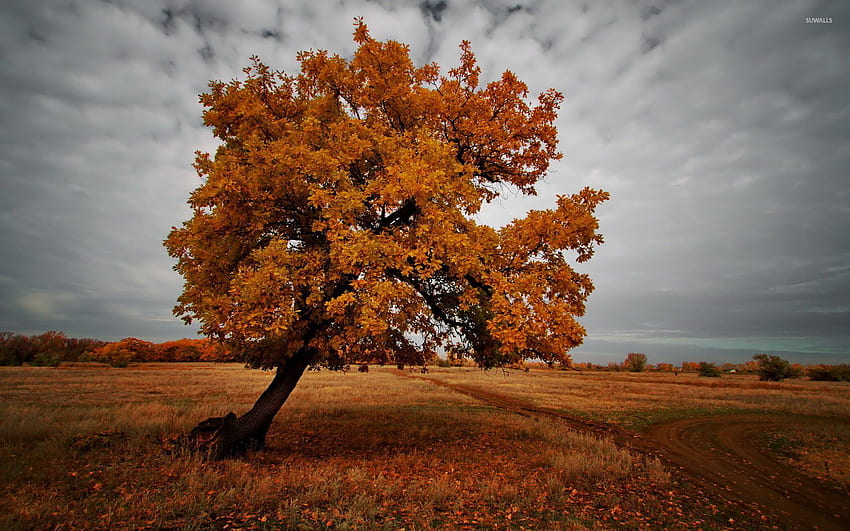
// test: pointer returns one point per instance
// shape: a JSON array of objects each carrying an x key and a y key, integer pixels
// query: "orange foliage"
[
  {"x": 191, "y": 350},
  {"x": 337, "y": 215},
  {"x": 132, "y": 349},
  {"x": 120, "y": 353}
]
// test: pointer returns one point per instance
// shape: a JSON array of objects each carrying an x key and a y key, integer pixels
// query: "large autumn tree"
[{"x": 335, "y": 223}]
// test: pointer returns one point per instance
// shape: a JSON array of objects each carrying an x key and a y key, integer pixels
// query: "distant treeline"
[
  {"x": 823, "y": 372},
  {"x": 749, "y": 367},
  {"x": 52, "y": 348}
]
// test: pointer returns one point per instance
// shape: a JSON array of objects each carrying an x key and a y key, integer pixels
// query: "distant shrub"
[
  {"x": 120, "y": 361},
  {"x": 708, "y": 370},
  {"x": 115, "y": 354},
  {"x": 774, "y": 368},
  {"x": 444, "y": 362},
  {"x": 47, "y": 359},
  {"x": 635, "y": 362},
  {"x": 690, "y": 366},
  {"x": 16, "y": 349},
  {"x": 830, "y": 373},
  {"x": 363, "y": 368}
]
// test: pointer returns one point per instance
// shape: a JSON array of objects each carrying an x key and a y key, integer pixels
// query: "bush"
[
  {"x": 115, "y": 354},
  {"x": 709, "y": 370},
  {"x": 121, "y": 361},
  {"x": 830, "y": 373},
  {"x": 774, "y": 368},
  {"x": 635, "y": 362},
  {"x": 47, "y": 359},
  {"x": 16, "y": 349}
]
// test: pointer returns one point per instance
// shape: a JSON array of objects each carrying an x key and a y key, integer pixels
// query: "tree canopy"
[
  {"x": 635, "y": 362},
  {"x": 338, "y": 215},
  {"x": 774, "y": 368}
]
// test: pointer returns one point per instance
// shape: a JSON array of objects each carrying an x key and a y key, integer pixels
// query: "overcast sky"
[{"x": 720, "y": 128}]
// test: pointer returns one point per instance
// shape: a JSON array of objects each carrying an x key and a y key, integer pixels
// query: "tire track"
[
  {"x": 718, "y": 453},
  {"x": 724, "y": 451}
]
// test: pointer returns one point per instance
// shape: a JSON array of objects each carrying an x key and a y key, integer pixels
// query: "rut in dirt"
[{"x": 719, "y": 454}]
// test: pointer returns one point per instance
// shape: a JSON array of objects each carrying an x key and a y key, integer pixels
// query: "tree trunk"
[{"x": 230, "y": 436}]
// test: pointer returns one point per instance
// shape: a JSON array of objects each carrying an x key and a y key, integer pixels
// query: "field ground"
[{"x": 87, "y": 447}]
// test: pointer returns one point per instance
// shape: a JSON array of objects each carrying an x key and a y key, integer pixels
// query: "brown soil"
[
  {"x": 723, "y": 450},
  {"x": 720, "y": 455}
]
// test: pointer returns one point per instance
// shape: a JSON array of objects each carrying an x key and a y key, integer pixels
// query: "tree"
[
  {"x": 16, "y": 349},
  {"x": 665, "y": 367},
  {"x": 118, "y": 354},
  {"x": 773, "y": 368},
  {"x": 635, "y": 362},
  {"x": 690, "y": 366},
  {"x": 708, "y": 370},
  {"x": 335, "y": 223},
  {"x": 833, "y": 373},
  {"x": 121, "y": 353}
]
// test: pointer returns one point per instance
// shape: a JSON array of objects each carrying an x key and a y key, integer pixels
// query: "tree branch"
[{"x": 401, "y": 216}]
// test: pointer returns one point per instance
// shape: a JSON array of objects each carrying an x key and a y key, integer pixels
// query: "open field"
[{"x": 86, "y": 447}]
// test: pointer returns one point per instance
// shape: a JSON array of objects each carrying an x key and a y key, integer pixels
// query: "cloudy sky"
[{"x": 721, "y": 130}]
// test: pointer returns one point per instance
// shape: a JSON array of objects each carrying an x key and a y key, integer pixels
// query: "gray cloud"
[{"x": 721, "y": 129}]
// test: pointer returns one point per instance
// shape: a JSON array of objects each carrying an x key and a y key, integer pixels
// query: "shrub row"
[{"x": 52, "y": 348}]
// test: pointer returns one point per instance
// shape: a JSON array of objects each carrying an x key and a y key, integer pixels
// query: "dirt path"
[
  {"x": 723, "y": 450},
  {"x": 719, "y": 454}
]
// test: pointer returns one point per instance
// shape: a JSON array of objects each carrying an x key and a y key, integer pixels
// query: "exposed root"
[{"x": 219, "y": 438}]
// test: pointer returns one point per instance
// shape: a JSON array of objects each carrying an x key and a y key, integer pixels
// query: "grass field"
[
  {"x": 635, "y": 399},
  {"x": 87, "y": 447}
]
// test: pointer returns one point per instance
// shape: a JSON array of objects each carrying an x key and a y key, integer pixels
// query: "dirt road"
[
  {"x": 719, "y": 454},
  {"x": 723, "y": 451}
]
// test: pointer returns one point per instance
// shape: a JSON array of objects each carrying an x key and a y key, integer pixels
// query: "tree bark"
[{"x": 231, "y": 436}]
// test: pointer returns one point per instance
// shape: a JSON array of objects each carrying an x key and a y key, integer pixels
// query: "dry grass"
[
  {"x": 822, "y": 452},
  {"x": 80, "y": 447},
  {"x": 636, "y": 399}
]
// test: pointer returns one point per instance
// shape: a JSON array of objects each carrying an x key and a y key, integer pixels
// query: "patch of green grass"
[
  {"x": 782, "y": 444},
  {"x": 818, "y": 451}
]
